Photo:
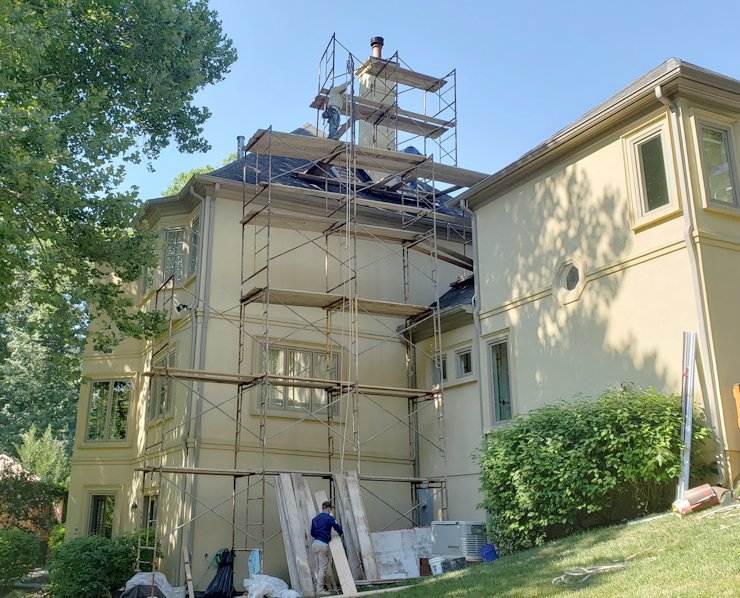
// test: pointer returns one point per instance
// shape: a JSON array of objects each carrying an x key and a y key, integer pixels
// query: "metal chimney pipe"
[
  {"x": 239, "y": 146},
  {"x": 376, "y": 43}
]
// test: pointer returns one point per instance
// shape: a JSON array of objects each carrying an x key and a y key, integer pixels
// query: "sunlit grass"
[{"x": 664, "y": 557}]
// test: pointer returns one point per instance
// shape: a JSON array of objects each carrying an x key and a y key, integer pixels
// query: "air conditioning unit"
[{"x": 455, "y": 539}]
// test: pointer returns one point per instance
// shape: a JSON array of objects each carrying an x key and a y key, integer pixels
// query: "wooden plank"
[
  {"x": 188, "y": 572},
  {"x": 363, "y": 529},
  {"x": 311, "y": 512},
  {"x": 346, "y": 580},
  {"x": 388, "y": 69},
  {"x": 296, "y": 535},
  {"x": 350, "y": 531},
  {"x": 295, "y": 579},
  {"x": 305, "y": 513}
]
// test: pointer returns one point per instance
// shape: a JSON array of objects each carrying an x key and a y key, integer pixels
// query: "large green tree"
[{"x": 82, "y": 83}]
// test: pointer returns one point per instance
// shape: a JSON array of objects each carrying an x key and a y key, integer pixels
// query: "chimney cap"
[{"x": 376, "y": 41}]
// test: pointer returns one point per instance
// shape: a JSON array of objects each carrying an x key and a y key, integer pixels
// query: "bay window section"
[
  {"x": 107, "y": 417},
  {"x": 717, "y": 163}
]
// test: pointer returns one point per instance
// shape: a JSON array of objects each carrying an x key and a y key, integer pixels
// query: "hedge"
[
  {"x": 571, "y": 466},
  {"x": 20, "y": 552}
]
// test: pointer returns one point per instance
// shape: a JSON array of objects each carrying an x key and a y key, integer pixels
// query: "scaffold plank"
[
  {"x": 295, "y": 534},
  {"x": 388, "y": 69},
  {"x": 334, "y": 302},
  {"x": 333, "y": 152},
  {"x": 359, "y": 515},
  {"x": 341, "y": 563}
]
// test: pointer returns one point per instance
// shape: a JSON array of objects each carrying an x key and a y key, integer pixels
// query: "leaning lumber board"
[
  {"x": 346, "y": 581},
  {"x": 295, "y": 580},
  {"x": 348, "y": 525},
  {"x": 312, "y": 511},
  {"x": 296, "y": 535},
  {"x": 363, "y": 529},
  {"x": 305, "y": 513}
]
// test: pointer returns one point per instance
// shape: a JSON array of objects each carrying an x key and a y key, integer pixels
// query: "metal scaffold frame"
[{"x": 336, "y": 210}]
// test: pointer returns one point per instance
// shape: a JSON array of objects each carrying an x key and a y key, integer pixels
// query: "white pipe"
[
  {"x": 476, "y": 308},
  {"x": 706, "y": 356}
]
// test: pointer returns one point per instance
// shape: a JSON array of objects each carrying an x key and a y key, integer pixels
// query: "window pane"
[
  {"x": 300, "y": 365},
  {"x": 326, "y": 366},
  {"x": 194, "y": 244},
  {"x": 173, "y": 254},
  {"x": 101, "y": 515},
  {"x": 119, "y": 413},
  {"x": 501, "y": 388},
  {"x": 717, "y": 170},
  {"x": 98, "y": 411},
  {"x": 275, "y": 365},
  {"x": 464, "y": 363},
  {"x": 654, "y": 182}
]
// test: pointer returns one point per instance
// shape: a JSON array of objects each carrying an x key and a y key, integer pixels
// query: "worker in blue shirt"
[{"x": 321, "y": 527}]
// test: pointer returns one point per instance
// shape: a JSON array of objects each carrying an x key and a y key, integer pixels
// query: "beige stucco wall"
[{"x": 292, "y": 444}]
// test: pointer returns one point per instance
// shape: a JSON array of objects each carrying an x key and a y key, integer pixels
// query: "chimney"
[
  {"x": 376, "y": 43},
  {"x": 239, "y": 146}
]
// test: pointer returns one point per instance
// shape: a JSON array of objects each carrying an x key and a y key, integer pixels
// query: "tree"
[
  {"x": 40, "y": 347},
  {"x": 83, "y": 82},
  {"x": 179, "y": 181},
  {"x": 44, "y": 456}
]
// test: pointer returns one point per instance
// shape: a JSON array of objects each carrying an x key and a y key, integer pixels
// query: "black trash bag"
[{"x": 222, "y": 585}]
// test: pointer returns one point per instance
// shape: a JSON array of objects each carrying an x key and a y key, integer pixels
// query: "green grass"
[{"x": 670, "y": 557}]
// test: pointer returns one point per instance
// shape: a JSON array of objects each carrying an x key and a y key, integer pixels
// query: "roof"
[
  {"x": 307, "y": 174},
  {"x": 461, "y": 293},
  {"x": 626, "y": 102}
]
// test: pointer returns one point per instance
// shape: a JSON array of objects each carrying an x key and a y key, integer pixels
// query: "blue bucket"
[{"x": 488, "y": 552}]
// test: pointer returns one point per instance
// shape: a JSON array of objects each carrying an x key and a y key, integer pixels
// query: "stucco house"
[
  {"x": 596, "y": 249},
  {"x": 289, "y": 278}
]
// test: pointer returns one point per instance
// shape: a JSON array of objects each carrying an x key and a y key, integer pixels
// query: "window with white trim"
[
  {"x": 500, "y": 380},
  {"x": 464, "y": 362},
  {"x": 649, "y": 154},
  {"x": 174, "y": 254},
  {"x": 102, "y": 511},
  {"x": 194, "y": 246},
  {"x": 439, "y": 370},
  {"x": 300, "y": 363},
  {"x": 107, "y": 415},
  {"x": 715, "y": 143}
]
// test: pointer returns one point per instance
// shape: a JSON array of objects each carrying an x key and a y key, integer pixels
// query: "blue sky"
[{"x": 524, "y": 69}]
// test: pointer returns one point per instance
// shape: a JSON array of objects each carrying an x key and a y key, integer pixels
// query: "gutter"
[
  {"x": 707, "y": 356},
  {"x": 463, "y": 203}
]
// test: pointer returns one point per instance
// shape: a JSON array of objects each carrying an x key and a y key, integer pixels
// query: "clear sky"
[{"x": 525, "y": 69}]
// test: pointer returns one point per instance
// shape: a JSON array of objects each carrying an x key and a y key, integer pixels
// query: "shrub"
[
  {"x": 56, "y": 537},
  {"x": 147, "y": 542},
  {"x": 27, "y": 503},
  {"x": 567, "y": 467},
  {"x": 19, "y": 553},
  {"x": 90, "y": 567}
]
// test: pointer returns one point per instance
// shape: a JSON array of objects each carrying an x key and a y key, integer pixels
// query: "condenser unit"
[{"x": 454, "y": 539}]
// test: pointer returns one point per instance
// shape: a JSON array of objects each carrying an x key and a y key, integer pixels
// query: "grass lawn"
[{"x": 664, "y": 557}]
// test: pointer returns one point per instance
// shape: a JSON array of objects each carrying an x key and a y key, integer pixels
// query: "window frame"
[
  {"x": 641, "y": 216},
  {"x": 92, "y": 502},
  {"x": 701, "y": 120},
  {"x": 458, "y": 362},
  {"x": 166, "y": 357},
  {"x": 443, "y": 363},
  {"x": 499, "y": 340},
  {"x": 106, "y": 437},
  {"x": 317, "y": 410}
]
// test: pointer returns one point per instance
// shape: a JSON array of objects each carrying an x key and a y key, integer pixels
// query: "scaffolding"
[{"x": 350, "y": 207}]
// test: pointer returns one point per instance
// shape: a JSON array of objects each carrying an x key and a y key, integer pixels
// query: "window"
[
  {"x": 107, "y": 417},
  {"x": 440, "y": 368},
  {"x": 716, "y": 156},
  {"x": 160, "y": 402},
  {"x": 301, "y": 363},
  {"x": 500, "y": 380},
  {"x": 174, "y": 254},
  {"x": 151, "y": 502},
  {"x": 649, "y": 156},
  {"x": 194, "y": 245},
  {"x": 102, "y": 509},
  {"x": 464, "y": 363}
]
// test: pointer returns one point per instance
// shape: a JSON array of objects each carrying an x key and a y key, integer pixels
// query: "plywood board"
[
  {"x": 348, "y": 526},
  {"x": 363, "y": 528},
  {"x": 295, "y": 535},
  {"x": 341, "y": 564}
]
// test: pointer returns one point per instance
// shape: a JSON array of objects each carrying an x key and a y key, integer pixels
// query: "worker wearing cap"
[{"x": 321, "y": 527}]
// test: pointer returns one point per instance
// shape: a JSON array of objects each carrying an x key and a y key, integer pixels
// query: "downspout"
[
  {"x": 706, "y": 356},
  {"x": 209, "y": 209},
  {"x": 190, "y": 429},
  {"x": 476, "y": 309}
]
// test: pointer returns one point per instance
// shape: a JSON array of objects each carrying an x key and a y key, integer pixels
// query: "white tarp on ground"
[
  {"x": 397, "y": 552},
  {"x": 141, "y": 585}
]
